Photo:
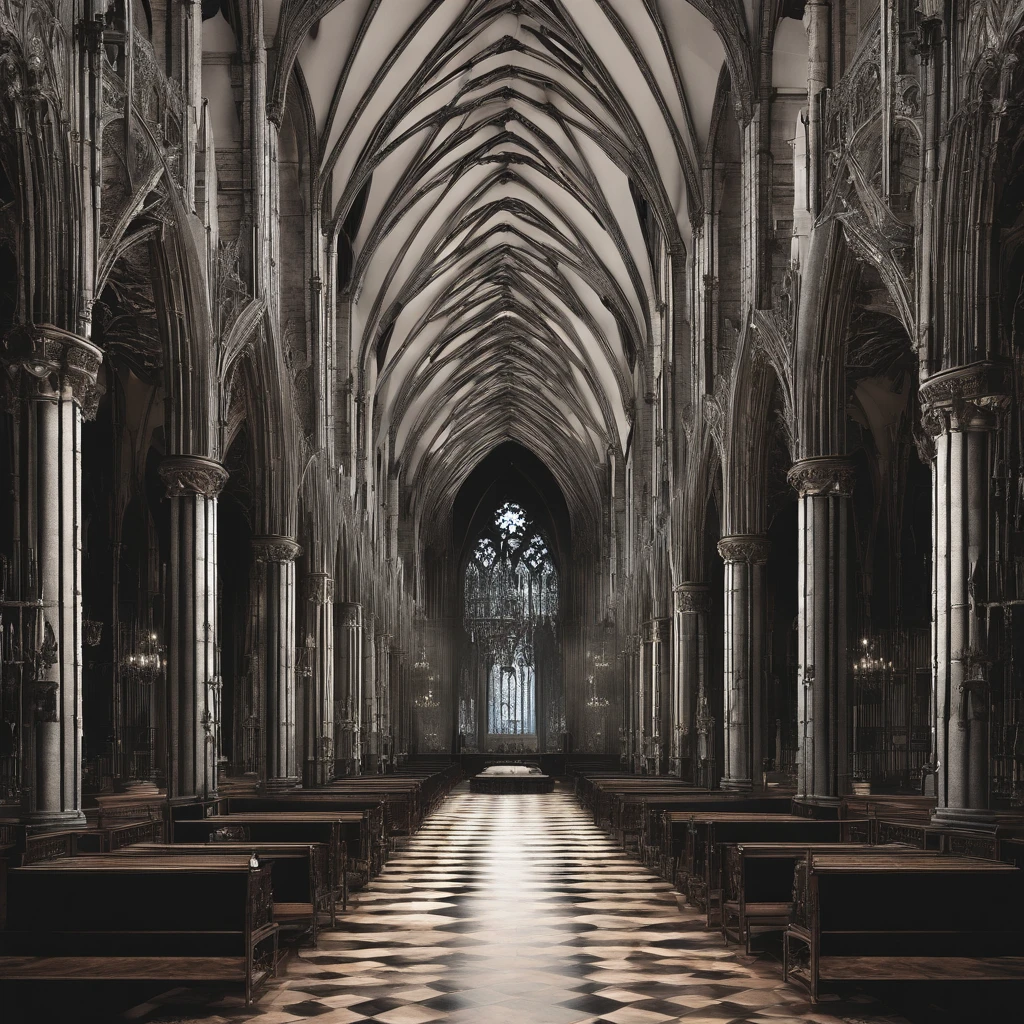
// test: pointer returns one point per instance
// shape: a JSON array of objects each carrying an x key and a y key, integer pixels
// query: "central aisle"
[{"x": 517, "y": 910}]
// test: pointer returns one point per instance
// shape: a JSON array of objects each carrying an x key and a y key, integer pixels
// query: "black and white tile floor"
[{"x": 517, "y": 910}]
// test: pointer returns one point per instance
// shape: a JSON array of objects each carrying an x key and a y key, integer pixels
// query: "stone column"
[
  {"x": 689, "y": 668},
  {"x": 745, "y": 556},
  {"x": 382, "y": 708},
  {"x": 962, "y": 411},
  {"x": 652, "y": 688},
  {"x": 58, "y": 387},
  {"x": 348, "y": 691},
  {"x": 368, "y": 723},
  {"x": 824, "y": 486},
  {"x": 320, "y": 708},
  {"x": 276, "y": 603},
  {"x": 193, "y": 686}
]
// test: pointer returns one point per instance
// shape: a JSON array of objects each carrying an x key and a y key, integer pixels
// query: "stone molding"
[
  {"x": 693, "y": 598},
  {"x": 192, "y": 474},
  {"x": 275, "y": 548},
  {"x": 319, "y": 588},
  {"x": 751, "y": 548},
  {"x": 56, "y": 363},
  {"x": 828, "y": 475}
]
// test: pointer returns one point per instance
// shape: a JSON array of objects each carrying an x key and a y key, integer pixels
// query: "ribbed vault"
[{"x": 490, "y": 170}]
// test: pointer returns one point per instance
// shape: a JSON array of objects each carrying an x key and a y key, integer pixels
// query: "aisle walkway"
[{"x": 516, "y": 910}]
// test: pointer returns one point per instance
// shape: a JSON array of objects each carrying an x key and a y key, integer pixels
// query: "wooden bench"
[
  {"x": 377, "y": 810},
  {"x": 658, "y": 854},
  {"x": 298, "y": 876},
  {"x": 335, "y": 829},
  {"x": 709, "y": 832},
  {"x": 110, "y": 917},
  {"x": 904, "y": 917},
  {"x": 757, "y": 883}
]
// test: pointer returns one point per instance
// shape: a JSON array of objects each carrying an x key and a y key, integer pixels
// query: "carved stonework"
[
  {"x": 56, "y": 363},
  {"x": 750, "y": 548},
  {"x": 192, "y": 474},
  {"x": 274, "y": 548},
  {"x": 814, "y": 477},
  {"x": 979, "y": 383},
  {"x": 693, "y": 598},
  {"x": 319, "y": 588},
  {"x": 351, "y": 615}
]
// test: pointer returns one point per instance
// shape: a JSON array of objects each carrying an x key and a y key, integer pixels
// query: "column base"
[
  {"x": 978, "y": 819},
  {"x": 282, "y": 784},
  {"x": 737, "y": 785},
  {"x": 52, "y": 820}
]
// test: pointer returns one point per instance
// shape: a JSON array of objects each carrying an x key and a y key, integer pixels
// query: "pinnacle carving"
[
  {"x": 192, "y": 474},
  {"x": 822, "y": 476},
  {"x": 750, "y": 548}
]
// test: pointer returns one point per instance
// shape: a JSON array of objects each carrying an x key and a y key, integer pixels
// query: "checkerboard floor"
[{"x": 517, "y": 910}]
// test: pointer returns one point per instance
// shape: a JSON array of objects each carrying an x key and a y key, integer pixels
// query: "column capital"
[
  {"x": 976, "y": 382},
  {"x": 192, "y": 474},
  {"x": 745, "y": 547},
  {"x": 655, "y": 630},
  {"x": 965, "y": 397},
  {"x": 319, "y": 588},
  {"x": 692, "y": 598},
  {"x": 351, "y": 614},
  {"x": 830, "y": 474},
  {"x": 274, "y": 547},
  {"x": 56, "y": 364}
]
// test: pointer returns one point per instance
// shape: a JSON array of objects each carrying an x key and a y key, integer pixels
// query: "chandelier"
[
  {"x": 142, "y": 658},
  {"x": 427, "y": 702},
  {"x": 423, "y": 665},
  {"x": 869, "y": 661}
]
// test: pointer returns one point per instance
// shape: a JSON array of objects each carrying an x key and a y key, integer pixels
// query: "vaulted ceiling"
[{"x": 490, "y": 167}]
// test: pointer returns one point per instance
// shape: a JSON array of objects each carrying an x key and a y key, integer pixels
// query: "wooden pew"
[
  {"x": 657, "y": 853},
  {"x": 335, "y": 829},
  {"x": 904, "y": 918},
  {"x": 319, "y": 800},
  {"x": 298, "y": 876},
  {"x": 708, "y": 832},
  {"x": 161, "y": 919},
  {"x": 757, "y": 882}
]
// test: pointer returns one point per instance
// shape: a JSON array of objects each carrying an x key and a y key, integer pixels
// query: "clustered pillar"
[
  {"x": 276, "y": 602},
  {"x": 824, "y": 486},
  {"x": 348, "y": 691},
  {"x": 193, "y": 483},
  {"x": 963, "y": 412},
  {"x": 745, "y": 556},
  {"x": 692, "y": 602},
  {"x": 652, "y": 672},
  {"x": 320, "y": 700},
  {"x": 57, "y": 379}
]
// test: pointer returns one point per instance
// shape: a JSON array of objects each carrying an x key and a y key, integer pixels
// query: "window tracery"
[{"x": 511, "y": 588}]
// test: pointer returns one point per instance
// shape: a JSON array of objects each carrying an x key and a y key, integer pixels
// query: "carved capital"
[
  {"x": 655, "y": 631},
  {"x": 967, "y": 397},
  {"x": 745, "y": 547},
  {"x": 815, "y": 477},
  {"x": 693, "y": 598},
  {"x": 192, "y": 474},
  {"x": 351, "y": 615},
  {"x": 319, "y": 588},
  {"x": 275, "y": 548},
  {"x": 56, "y": 364}
]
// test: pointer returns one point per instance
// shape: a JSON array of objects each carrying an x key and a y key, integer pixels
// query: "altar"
[{"x": 511, "y": 778}]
